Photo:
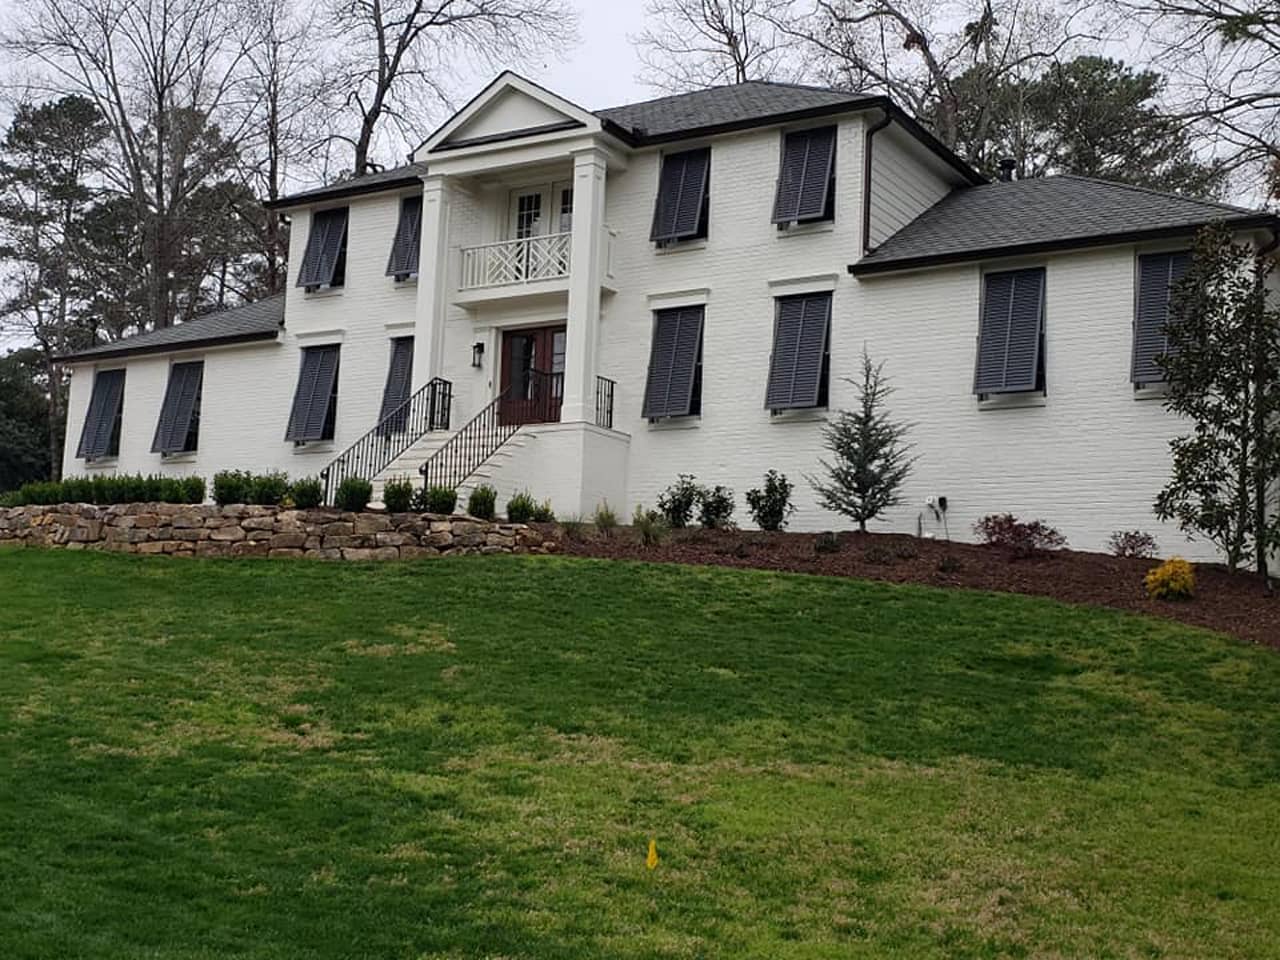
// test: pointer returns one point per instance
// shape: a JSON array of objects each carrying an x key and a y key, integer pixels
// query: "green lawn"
[{"x": 467, "y": 758}]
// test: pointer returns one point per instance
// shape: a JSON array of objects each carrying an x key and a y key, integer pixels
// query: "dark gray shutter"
[
  {"x": 673, "y": 362},
  {"x": 100, "y": 421},
  {"x": 682, "y": 190},
  {"x": 804, "y": 178},
  {"x": 1157, "y": 273},
  {"x": 396, "y": 392},
  {"x": 311, "y": 400},
  {"x": 1010, "y": 332},
  {"x": 324, "y": 245},
  {"x": 181, "y": 397},
  {"x": 403, "y": 262},
  {"x": 799, "y": 346}
]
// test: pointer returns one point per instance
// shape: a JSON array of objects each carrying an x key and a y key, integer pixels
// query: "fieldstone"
[
  {"x": 339, "y": 528},
  {"x": 250, "y": 548},
  {"x": 413, "y": 553},
  {"x": 322, "y": 554},
  {"x": 260, "y": 522},
  {"x": 212, "y": 548},
  {"x": 392, "y": 539},
  {"x": 154, "y": 546},
  {"x": 285, "y": 552},
  {"x": 226, "y": 533},
  {"x": 367, "y": 523},
  {"x": 292, "y": 541}
]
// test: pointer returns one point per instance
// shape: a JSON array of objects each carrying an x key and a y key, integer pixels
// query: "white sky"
[{"x": 600, "y": 71}]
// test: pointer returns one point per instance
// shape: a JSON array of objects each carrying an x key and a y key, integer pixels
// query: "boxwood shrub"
[{"x": 106, "y": 489}]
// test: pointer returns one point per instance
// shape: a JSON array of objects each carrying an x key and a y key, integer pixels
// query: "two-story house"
[{"x": 587, "y": 304}]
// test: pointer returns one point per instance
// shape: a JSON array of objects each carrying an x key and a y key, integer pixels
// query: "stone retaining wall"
[{"x": 247, "y": 531}]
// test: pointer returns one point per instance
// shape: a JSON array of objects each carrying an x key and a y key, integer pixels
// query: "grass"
[{"x": 467, "y": 758}]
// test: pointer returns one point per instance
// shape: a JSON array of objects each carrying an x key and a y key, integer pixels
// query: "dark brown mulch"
[{"x": 1235, "y": 604}]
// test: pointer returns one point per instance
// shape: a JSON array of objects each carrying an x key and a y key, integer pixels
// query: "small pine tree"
[
  {"x": 870, "y": 461},
  {"x": 1223, "y": 371}
]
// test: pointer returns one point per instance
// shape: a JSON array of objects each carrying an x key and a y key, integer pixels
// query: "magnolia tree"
[
  {"x": 870, "y": 458},
  {"x": 1222, "y": 365}
]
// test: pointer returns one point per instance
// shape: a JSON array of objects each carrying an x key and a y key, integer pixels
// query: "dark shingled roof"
[
  {"x": 408, "y": 175},
  {"x": 1041, "y": 214},
  {"x": 254, "y": 321},
  {"x": 739, "y": 103}
]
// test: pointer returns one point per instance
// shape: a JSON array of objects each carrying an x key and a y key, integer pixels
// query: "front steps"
[{"x": 408, "y": 463}]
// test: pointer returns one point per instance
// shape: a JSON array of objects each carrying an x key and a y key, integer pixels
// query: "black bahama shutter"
[
  {"x": 1157, "y": 274},
  {"x": 315, "y": 400},
  {"x": 805, "y": 188},
  {"x": 180, "y": 410},
  {"x": 680, "y": 212},
  {"x": 673, "y": 387},
  {"x": 1010, "y": 332},
  {"x": 100, "y": 436},
  {"x": 403, "y": 262},
  {"x": 326, "y": 249},
  {"x": 798, "y": 365},
  {"x": 391, "y": 419}
]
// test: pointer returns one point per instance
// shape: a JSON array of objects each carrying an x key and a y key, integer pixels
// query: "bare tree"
[
  {"x": 400, "y": 58},
  {"x": 691, "y": 44},
  {"x": 163, "y": 73}
]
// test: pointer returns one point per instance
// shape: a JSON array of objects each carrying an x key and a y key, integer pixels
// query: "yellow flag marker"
[{"x": 651, "y": 860}]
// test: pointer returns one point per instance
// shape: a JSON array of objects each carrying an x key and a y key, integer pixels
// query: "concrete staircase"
[{"x": 408, "y": 463}]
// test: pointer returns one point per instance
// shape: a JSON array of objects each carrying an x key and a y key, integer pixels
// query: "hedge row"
[{"x": 108, "y": 489}]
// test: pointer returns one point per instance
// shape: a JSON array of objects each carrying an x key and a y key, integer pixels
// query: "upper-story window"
[
  {"x": 178, "y": 429},
  {"x": 403, "y": 262},
  {"x": 324, "y": 264},
  {"x": 806, "y": 177},
  {"x": 684, "y": 197},
  {"x": 1157, "y": 274},
  {"x": 1011, "y": 333},
  {"x": 100, "y": 436}
]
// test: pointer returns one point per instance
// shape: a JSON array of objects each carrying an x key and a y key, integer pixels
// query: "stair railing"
[
  {"x": 534, "y": 398},
  {"x": 401, "y": 428}
]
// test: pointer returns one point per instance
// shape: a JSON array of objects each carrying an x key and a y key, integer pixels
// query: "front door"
[{"x": 532, "y": 375}]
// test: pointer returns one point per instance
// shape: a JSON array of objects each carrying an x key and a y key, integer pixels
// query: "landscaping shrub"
[
  {"x": 950, "y": 564},
  {"x": 1132, "y": 543},
  {"x": 441, "y": 500},
  {"x": 1175, "y": 579},
  {"x": 573, "y": 529},
  {"x": 676, "y": 503},
  {"x": 483, "y": 502},
  {"x": 771, "y": 505},
  {"x": 307, "y": 493},
  {"x": 397, "y": 495},
  {"x": 108, "y": 489},
  {"x": 268, "y": 489},
  {"x": 649, "y": 525},
  {"x": 354, "y": 494},
  {"x": 542, "y": 513},
  {"x": 715, "y": 508},
  {"x": 878, "y": 554},
  {"x": 605, "y": 519},
  {"x": 231, "y": 486},
  {"x": 521, "y": 507},
  {"x": 826, "y": 542},
  {"x": 1024, "y": 539}
]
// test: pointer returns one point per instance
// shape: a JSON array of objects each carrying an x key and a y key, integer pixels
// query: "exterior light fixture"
[{"x": 477, "y": 353}]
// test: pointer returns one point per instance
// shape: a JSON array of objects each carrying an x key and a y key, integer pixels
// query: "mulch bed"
[{"x": 1236, "y": 604}]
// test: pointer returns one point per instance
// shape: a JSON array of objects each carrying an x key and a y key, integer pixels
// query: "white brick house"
[{"x": 601, "y": 301}]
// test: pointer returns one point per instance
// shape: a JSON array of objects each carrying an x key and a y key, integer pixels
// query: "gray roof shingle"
[
  {"x": 738, "y": 103},
  {"x": 260, "y": 320},
  {"x": 1043, "y": 213},
  {"x": 406, "y": 175}
]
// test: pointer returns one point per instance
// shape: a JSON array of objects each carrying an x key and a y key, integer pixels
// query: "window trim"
[
  {"x": 701, "y": 231},
  {"x": 694, "y": 406},
  {"x": 328, "y": 428},
  {"x": 828, "y": 214},
  {"x": 337, "y": 273},
  {"x": 822, "y": 393},
  {"x": 1041, "y": 385}
]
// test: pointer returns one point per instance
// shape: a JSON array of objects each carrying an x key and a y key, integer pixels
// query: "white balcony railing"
[{"x": 515, "y": 261}]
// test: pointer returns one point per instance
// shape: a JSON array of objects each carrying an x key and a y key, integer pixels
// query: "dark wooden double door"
[{"x": 532, "y": 374}]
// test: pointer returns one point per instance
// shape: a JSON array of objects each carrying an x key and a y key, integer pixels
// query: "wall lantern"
[{"x": 477, "y": 353}]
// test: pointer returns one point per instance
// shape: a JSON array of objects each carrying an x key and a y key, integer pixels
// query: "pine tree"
[{"x": 870, "y": 460}]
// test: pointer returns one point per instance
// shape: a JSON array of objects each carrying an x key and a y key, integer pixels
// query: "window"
[
  {"x": 680, "y": 212},
  {"x": 800, "y": 367},
  {"x": 315, "y": 402},
  {"x": 528, "y": 215},
  {"x": 806, "y": 177},
  {"x": 1011, "y": 333},
  {"x": 566, "y": 209},
  {"x": 1157, "y": 273},
  {"x": 673, "y": 387},
  {"x": 325, "y": 261},
  {"x": 178, "y": 430},
  {"x": 392, "y": 419},
  {"x": 100, "y": 437},
  {"x": 403, "y": 262}
]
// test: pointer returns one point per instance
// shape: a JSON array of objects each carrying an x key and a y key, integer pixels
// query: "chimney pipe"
[{"x": 1006, "y": 168}]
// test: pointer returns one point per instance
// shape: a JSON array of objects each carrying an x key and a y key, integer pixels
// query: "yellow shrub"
[{"x": 1172, "y": 580}]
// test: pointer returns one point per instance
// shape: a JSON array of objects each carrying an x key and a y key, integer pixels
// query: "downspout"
[{"x": 866, "y": 178}]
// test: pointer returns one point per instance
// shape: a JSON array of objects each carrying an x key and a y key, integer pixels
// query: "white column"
[
  {"x": 586, "y": 261},
  {"x": 433, "y": 282}
]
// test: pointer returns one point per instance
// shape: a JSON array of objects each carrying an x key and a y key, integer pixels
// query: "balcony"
[{"x": 515, "y": 268}]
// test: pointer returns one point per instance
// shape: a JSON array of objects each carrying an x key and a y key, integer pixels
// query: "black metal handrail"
[
  {"x": 534, "y": 397},
  {"x": 426, "y": 410},
  {"x": 604, "y": 402}
]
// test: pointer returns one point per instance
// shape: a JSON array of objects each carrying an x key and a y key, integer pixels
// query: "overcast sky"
[{"x": 600, "y": 71}]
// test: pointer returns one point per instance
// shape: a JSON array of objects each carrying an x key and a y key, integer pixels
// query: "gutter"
[
  {"x": 867, "y": 144},
  {"x": 172, "y": 347}
]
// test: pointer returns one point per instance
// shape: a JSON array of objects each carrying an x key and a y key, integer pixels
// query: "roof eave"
[
  {"x": 862, "y": 269},
  {"x": 341, "y": 191},
  {"x": 187, "y": 345}
]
